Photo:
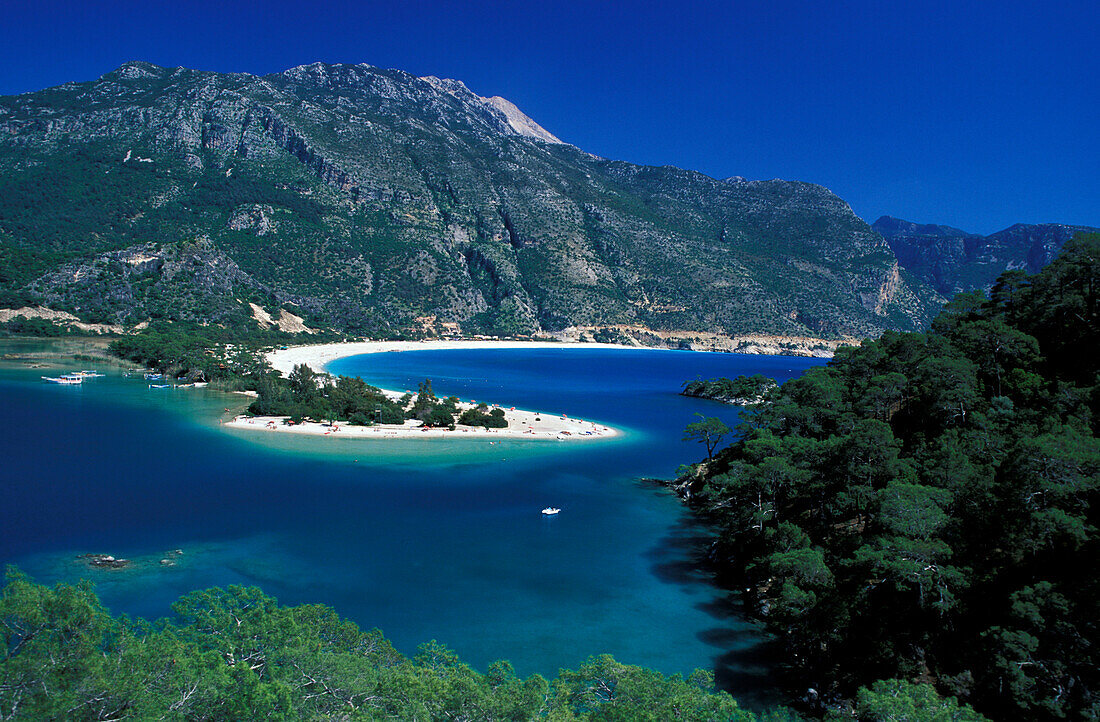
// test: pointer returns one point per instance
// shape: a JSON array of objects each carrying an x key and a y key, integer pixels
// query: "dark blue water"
[
  {"x": 425, "y": 539},
  {"x": 632, "y": 389}
]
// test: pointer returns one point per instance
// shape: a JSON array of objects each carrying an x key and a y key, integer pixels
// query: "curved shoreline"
[
  {"x": 522, "y": 423},
  {"x": 526, "y": 425},
  {"x": 318, "y": 356}
]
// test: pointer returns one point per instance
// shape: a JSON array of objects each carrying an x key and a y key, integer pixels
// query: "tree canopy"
[
  {"x": 235, "y": 654},
  {"x": 924, "y": 508},
  {"x": 707, "y": 431},
  {"x": 741, "y": 390}
]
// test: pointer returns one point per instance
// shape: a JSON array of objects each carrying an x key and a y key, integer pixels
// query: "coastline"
[
  {"x": 318, "y": 356},
  {"x": 522, "y": 423},
  {"x": 526, "y": 425}
]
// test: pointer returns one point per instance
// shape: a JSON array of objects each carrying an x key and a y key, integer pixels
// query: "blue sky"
[{"x": 972, "y": 114}]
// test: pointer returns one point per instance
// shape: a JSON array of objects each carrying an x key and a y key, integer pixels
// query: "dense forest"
[
  {"x": 235, "y": 654},
  {"x": 916, "y": 521},
  {"x": 305, "y": 394},
  {"x": 36, "y": 327},
  {"x": 925, "y": 507},
  {"x": 234, "y": 359},
  {"x": 741, "y": 390}
]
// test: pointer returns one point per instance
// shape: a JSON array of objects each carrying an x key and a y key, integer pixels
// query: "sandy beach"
[
  {"x": 522, "y": 423},
  {"x": 319, "y": 355}
]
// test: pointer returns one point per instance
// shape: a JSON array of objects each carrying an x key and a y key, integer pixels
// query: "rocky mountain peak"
[
  {"x": 515, "y": 119},
  {"x": 448, "y": 85},
  {"x": 952, "y": 260},
  {"x": 888, "y": 227},
  {"x": 138, "y": 69},
  {"x": 370, "y": 198},
  {"x": 519, "y": 121},
  {"x": 370, "y": 85},
  {"x": 328, "y": 75}
]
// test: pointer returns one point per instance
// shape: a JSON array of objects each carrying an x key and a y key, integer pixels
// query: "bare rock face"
[
  {"x": 952, "y": 261},
  {"x": 290, "y": 323},
  {"x": 189, "y": 282},
  {"x": 367, "y": 198},
  {"x": 518, "y": 120},
  {"x": 61, "y": 318},
  {"x": 285, "y": 321},
  {"x": 887, "y": 288},
  {"x": 255, "y": 218}
]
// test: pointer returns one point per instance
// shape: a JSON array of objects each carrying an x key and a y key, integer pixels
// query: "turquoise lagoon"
[{"x": 425, "y": 539}]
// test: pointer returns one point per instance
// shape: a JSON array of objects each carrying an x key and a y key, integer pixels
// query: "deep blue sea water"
[{"x": 425, "y": 539}]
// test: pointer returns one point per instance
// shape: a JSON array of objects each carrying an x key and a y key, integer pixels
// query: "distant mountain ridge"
[
  {"x": 373, "y": 201},
  {"x": 951, "y": 260}
]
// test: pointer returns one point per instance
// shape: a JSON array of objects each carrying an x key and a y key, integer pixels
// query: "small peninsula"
[
  {"x": 304, "y": 401},
  {"x": 350, "y": 408},
  {"x": 741, "y": 391}
]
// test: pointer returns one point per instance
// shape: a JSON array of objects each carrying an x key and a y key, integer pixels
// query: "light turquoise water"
[{"x": 425, "y": 539}]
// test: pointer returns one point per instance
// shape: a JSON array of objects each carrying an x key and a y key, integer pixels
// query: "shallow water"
[{"x": 425, "y": 539}]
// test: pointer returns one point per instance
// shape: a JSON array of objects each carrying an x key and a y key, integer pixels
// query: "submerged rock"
[{"x": 103, "y": 561}]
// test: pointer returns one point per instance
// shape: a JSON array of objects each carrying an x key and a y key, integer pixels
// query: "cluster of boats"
[
  {"x": 196, "y": 385},
  {"x": 153, "y": 376},
  {"x": 76, "y": 377}
]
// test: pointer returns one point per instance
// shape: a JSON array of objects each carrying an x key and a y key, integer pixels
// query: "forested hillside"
[
  {"x": 954, "y": 261},
  {"x": 373, "y": 201},
  {"x": 926, "y": 506},
  {"x": 235, "y": 655}
]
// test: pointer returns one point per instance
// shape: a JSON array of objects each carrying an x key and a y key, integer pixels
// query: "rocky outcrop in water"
[{"x": 103, "y": 561}]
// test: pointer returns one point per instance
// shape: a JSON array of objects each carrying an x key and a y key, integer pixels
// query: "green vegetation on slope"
[
  {"x": 234, "y": 655},
  {"x": 926, "y": 506},
  {"x": 37, "y": 327},
  {"x": 231, "y": 357},
  {"x": 370, "y": 200},
  {"x": 234, "y": 359},
  {"x": 954, "y": 261},
  {"x": 237, "y": 655}
]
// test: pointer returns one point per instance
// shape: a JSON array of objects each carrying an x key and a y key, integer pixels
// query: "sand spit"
[
  {"x": 317, "y": 356},
  {"x": 528, "y": 425},
  {"x": 522, "y": 423}
]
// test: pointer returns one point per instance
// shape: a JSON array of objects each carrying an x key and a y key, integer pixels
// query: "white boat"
[
  {"x": 550, "y": 510},
  {"x": 67, "y": 379}
]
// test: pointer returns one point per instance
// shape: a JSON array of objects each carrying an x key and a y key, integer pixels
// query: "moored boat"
[{"x": 66, "y": 379}]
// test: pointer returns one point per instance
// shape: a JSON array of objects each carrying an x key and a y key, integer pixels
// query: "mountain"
[
  {"x": 951, "y": 260},
  {"x": 374, "y": 201}
]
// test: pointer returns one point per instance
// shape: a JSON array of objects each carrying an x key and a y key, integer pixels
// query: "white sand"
[
  {"x": 522, "y": 424},
  {"x": 318, "y": 355}
]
